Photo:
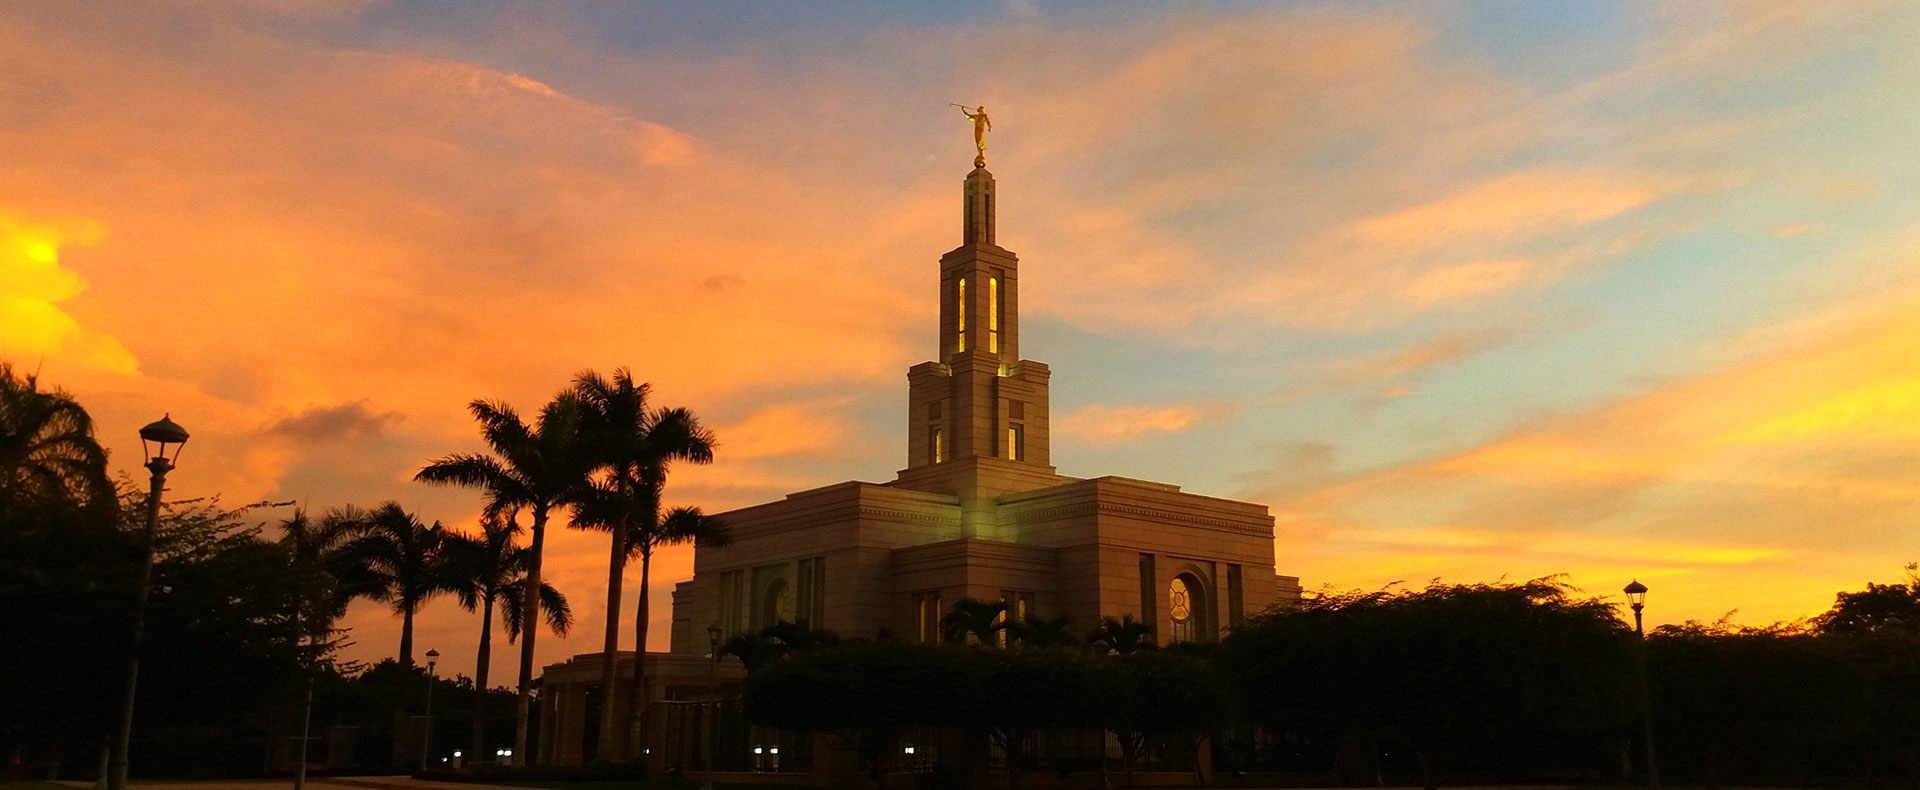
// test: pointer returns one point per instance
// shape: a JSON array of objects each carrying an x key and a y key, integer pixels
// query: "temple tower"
[{"x": 977, "y": 418}]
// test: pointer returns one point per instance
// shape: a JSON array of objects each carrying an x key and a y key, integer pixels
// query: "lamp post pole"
[
  {"x": 164, "y": 432},
  {"x": 1637, "y": 598},
  {"x": 713, "y": 692},
  {"x": 426, "y": 738}
]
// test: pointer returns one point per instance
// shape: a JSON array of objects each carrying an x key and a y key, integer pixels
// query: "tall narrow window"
[
  {"x": 1149, "y": 594},
  {"x": 933, "y": 445},
  {"x": 1016, "y": 437},
  {"x": 993, "y": 315},
  {"x": 1236, "y": 597},
  {"x": 960, "y": 309}
]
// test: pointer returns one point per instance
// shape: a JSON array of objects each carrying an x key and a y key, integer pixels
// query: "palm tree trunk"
[
  {"x": 399, "y": 704},
  {"x": 636, "y": 728},
  {"x": 529, "y": 626},
  {"x": 406, "y": 634},
  {"x": 610, "y": 738},
  {"x": 480, "y": 663}
]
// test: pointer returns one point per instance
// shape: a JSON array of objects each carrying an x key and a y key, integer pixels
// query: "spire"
[
  {"x": 979, "y": 222},
  {"x": 979, "y": 402}
]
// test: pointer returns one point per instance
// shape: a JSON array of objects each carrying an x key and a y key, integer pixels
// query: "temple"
[{"x": 979, "y": 512}]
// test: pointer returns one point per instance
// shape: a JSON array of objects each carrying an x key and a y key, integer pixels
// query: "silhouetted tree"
[
  {"x": 483, "y": 570},
  {"x": 1879, "y": 607},
  {"x": 1036, "y": 632},
  {"x": 633, "y": 445},
  {"x": 777, "y": 641},
  {"x": 1164, "y": 695},
  {"x": 1439, "y": 668},
  {"x": 395, "y": 559},
  {"x": 1121, "y": 635},
  {"x": 1013, "y": 694},
  {"x": 982, "y": 620},
  {"x": 1734, "y": 697},
  {"x": 536, "y": 468},
  {"x": 49, "y": 457},
  {"x": 864, "y": 694}
]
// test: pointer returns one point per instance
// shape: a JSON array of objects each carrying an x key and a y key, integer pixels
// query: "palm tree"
[
  {"x": 395, "y": 559},
  {"x": 321, "y": 569},
  {"x": 679, "y": 526},
  {"x": 486, "y": 569},
  {"x": 48, "y": 454},
  {"x": 1035, "y": 632},
  {"x": 535, "y": 468},
  {"x": 775, "y": 642},
  {"x": 1121, "y": 635},
  {"x": 971, "y": 616},
  {"x": 634, "y": 444},
  {"x": 318, "y": 564}
]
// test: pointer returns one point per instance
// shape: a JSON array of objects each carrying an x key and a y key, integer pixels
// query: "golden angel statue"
[{"x": 981, "y": 125}]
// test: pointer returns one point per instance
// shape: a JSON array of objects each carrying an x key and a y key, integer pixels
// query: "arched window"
[
  {"x": 960, "y": 309},
  {"x": 993, "y": 315},
  {"x": 1187, "y": 608}
]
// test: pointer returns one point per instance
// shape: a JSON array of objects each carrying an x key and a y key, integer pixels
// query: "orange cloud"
[
  {"x": 1783, "y": 465},
  {"x": 33, "y": 284},
  {"x": 1102, "y": 423}
]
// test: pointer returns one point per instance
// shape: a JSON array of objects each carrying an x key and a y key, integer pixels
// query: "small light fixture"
[
  {"x": 157, "y": 435},
  {"x": 758, "y": 750},
  {"x": 908, "y": 750},
  {"x": 1636, "y": 593},
  {"x": 774, "y": 750},
  {"x": 456, "y": 752}
]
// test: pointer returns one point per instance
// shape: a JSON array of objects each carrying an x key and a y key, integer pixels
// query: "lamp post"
[
  {"x": 426, "y": 738},
  {"x": 713, "y": 691},
  {"x": 163, "y": 433},
  {"x": 1637, "y": 598}
]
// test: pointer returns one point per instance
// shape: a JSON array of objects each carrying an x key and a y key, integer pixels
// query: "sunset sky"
[{"x": 1467, "y": 291}]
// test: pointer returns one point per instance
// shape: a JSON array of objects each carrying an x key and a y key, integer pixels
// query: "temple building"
[{"x": 979, "y": 512}]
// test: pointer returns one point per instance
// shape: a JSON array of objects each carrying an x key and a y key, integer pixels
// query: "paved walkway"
[{"x": 317, "y": 783}]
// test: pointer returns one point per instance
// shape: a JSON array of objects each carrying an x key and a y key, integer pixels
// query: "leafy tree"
[
  {"x": 1879, "y": 607},
  {"x": 537, "y": 468},
  {"x": 1437, "y": 669},
  {"x": 633, "y": 444},
  {"x": 486, "y": 569},
  {"x": 67, "y": 576},
  {"x": 1121, "y": 635},
  {"x": 1741, "y": 698},
  {"x": 48, "y": 454},
  {"x": 1013, "y": 694},
  {"x": 864, "y": 694},
  {"x": 1162, "y": 695},
  {"x": 982, "y": 620}
]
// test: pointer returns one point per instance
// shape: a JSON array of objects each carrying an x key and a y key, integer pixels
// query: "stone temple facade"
[{"x": 978, "y": 512}]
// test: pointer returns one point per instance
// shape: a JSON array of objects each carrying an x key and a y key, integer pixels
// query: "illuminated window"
[
  {"x": 993, "y": 315},
  {"x": 960, "y": 309},
  {"x": 926, "y": 615},
  {"x": 1180, "y": 606},
  {"x": 1016, "y": 442},
  {"x": 933, "y": 445}
]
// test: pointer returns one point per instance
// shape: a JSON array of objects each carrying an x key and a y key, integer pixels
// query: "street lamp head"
[
  {"x": 713, "y": 635},
  {"x": 163, "y": 432},
  {"x": 432, "y": 656},
  {"x": 1636, "y": 593}
]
